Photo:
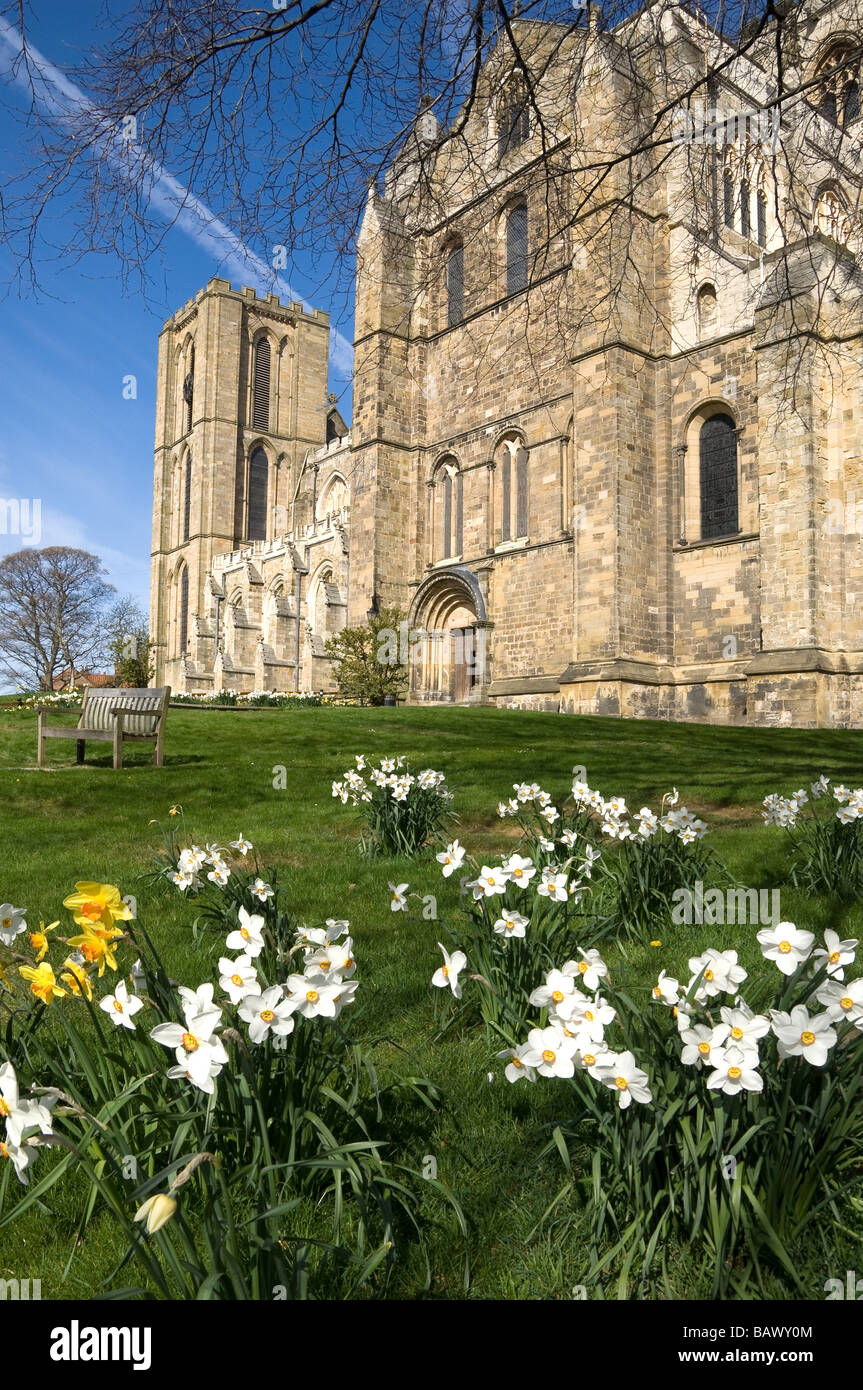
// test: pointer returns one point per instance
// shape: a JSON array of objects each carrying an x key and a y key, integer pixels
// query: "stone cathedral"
[{"x": 605, "y": 410}]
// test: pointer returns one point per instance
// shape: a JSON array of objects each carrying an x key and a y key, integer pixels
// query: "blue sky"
[{"x": 70, "y": 438}]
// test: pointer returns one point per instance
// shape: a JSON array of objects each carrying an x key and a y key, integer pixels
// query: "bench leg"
[
  {"x": 158, "y": 752},
  {"x": 40, "y": 742},
  {"x": 79, "y": 751},
  {"x": 118, "y": 748}
]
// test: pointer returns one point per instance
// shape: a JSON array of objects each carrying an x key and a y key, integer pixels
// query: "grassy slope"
[{"x": 67, "y": 823}]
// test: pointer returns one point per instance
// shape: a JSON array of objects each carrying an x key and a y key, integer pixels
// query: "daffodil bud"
[{"x": 156, "y": 1211}]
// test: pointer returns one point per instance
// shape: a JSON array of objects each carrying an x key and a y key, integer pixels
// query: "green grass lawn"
[{"x": 67, "y": 823}]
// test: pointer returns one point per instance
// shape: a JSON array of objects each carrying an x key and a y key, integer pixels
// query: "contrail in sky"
[{"x": 53, "y": 91}]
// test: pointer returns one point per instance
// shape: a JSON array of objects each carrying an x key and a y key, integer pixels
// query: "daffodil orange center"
[
  {"x": 846, "y": 1003},
  {"x": 621, "y": 1083},
  {"x": 734, "y": 1073},
  {"x": 548, "y": 1056},
  {"x": 807, "y": 1038},
  {"x": 267, "y": 1015},
  {"x": 704, "y": 1048},
  {"x": 190, "y": 1042},
  {"x": 312, "y": 996},
  {"x": 785, "y": 947},
  {"x": 737, "y": 1033}
]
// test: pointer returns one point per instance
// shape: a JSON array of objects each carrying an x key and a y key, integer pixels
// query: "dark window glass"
[
  {"x": 514, "y": 121},
  {"x": 446, "y": 538},
  {"x": 851, "y": 105},
  {"x": 187, "y": 497},
  {"x": 505, "y": 534},
  {"x": 257, "y": 530},
  {"x": 718, "y": 467},
  {"x": 516, "y": 249},
  {"x": 184, "y": 609},
  {"x": 761, "y": 210},
  {"x": 728, "y": 198},
  {"x": 459, "y": 515},
  {"x": 455, "y": 286},
  {"x": 828, "y": 107},
  {"x": 744, "y": 209},
  {"x": 521, "y": 491},
  {"x": 261, "y": 386}
]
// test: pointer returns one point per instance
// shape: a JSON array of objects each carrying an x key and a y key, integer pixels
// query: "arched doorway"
[{"x": 448, "y": 639}]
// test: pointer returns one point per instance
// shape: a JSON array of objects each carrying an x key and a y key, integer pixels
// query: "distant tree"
[
  {"x": 366, "y": 664},
  {"x": 52, "y": 608},
  {"x": 128, "y": 642}
]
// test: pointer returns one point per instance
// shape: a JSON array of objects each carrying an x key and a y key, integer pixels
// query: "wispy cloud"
[{"x": 49, "y": 87}]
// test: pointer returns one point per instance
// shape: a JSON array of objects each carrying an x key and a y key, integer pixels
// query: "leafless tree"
[
  {"x": 52, "y": 608},
  {"x": 278, "y": 120}
]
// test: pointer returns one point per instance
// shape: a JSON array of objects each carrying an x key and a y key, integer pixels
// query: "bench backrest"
[{"x": 144, "y": 708}]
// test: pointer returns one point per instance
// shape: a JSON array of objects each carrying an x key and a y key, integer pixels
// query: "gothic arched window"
[
  {"x": 830, "y": 216},
  {"x": 839, "y": 89},
  {"x": 449, "y": 510},
  {"x": 728, "y": 198},
  {"x": 261, "y": 386},
  {"x": 745, "y": 224},
  {"x": 455, "y": 285},
  {"x": 258, "y": 496},
  {"x": 189, "y": 391},
  {"x": 513, "y": 118},
  {"x": 718, "y": 477},
  {"x": 513, "y": 490},
  {"x": 187, "y": 497},
  {"x": 183, "y": 610},
  {"x": 516, "y": 249}
]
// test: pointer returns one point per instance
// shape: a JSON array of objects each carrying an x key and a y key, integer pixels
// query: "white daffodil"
[
  {"x": 734, "y": 1071},
  {"x": 491, "y": 881},
  {"x": 332, "y": 962},
  {"x": 20, "y": 1156},
  {"x": 580, "y": 793},
  {"x": 621, "y": 1074},
  {"x": 387, "y": 764},
  {"x": 121, "y": 1006},
  {"x": 238, "y": 977},
  {"x": 341, "y": 791},
  {"x": 191, "y": 860},
  {"x": 820, "y": 787},
  {"x": 248, "y": 936},
  {"x": 584, "y": 1017},
  {"x": 196, "y": 1049},
  {"x": 720, "y": 973},
  {"x": 569, "y": 838},
  {"x": 591, "y": 968},
  {"x": 451, "y": 858},
  {"x": 261, "y": 890},
  {"x": 746, "y": 1028},
  {"x": 267, "y": 1012},
  {"x": 398, "y": 901},
  {"x": 12, "y": 923},
  {"x": 182, "y": 880},
  {"x": 786, "y": 945},
  {"x": 516, "y": 1067},
  {"x": 547, "y": 846},
  {"x": 346, "y": 992},
  {"x": 220, "y": 875},
  {"x": 241, "y": 845},
  {"x": 801, "y": 1035},
  {"x": 835, "y": 954},
  {"x": 593, "y": 1058},
  {"x": 312, "y": 996},
  {"x": 448, "y": 973},
  {"x": 550, "y": 1051},
  {"x": 511, "y": 923},
  {"x": 556, "y": 988},
  {"x": 199, "y": 1001},
  {"x": 666, "y": 990},
  {"x": 554, "y": 885},
  {"x": 360, "y": 761},
  {"x": 520, "y": 869},
  {"x": 842, "y": 1000},
  {"x": 701, "y": 1042},
  {"x": 648, "y": 823},
  {"x": 841, "y": 793},
  {"x": 20, "y": 1113}
]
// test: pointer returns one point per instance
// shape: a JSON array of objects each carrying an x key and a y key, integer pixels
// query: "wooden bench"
[{"x": 113, "y": 716}]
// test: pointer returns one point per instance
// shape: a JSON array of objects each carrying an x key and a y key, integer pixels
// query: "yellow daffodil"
[
  {"x": 77, "y": 979},
  {"x": 4, "y": 978},
  {"x": 39, "y": 940},
  {"x": 42, "y": 982},
  {"x": 97, "y": 905},
  {"x": 175, "y": 810},
  {"x": 97, "y": 948}
]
